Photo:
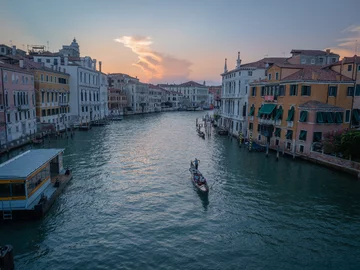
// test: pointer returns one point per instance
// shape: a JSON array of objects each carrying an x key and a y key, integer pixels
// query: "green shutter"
[
  {"x": 302, "y": 135},
  {"x": 279, "y": 113},
  {"x": 303, "y": 116},
  {"x": 356, "y": 115},
  {"x": 290, "y": 114},
  {"x": 259, "y": 112},
  {"x": 339, "y": 117},
  {"x": 357, "y": 90},
  {"x": 277, "y": 132},
  {"x": 252, "y": 110},
  {"x": 289, "y": 134},
  {"x": 319, "y": 117},
  {"x": 329, "y": 117}
]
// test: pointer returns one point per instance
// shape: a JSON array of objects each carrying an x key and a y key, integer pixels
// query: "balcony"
[
  {"x": 23, "y": 107},
  {"x": 266, "y": 121},
  {"x": 270, "y": 98},
  {"x": 63, "y": 104}
]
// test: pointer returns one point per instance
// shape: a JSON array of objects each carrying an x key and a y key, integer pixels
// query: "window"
[
  {"x": 259, "y": 137},
  {"x": 51, "y": 78},
  {"x": 347, "y": 116},
  {"x": 302, "y": 135},
  {"x": 282, "y": 90},
  {"x": 349, "y": 68},
  {"x": 332, "y": 91},
  {"x": 303, "y": 116},
  {"x": 39, "y": 60},
  {"x": 269, "y": 76},
  {"x": 253, "y": 91},
  {"x": 313, "y": 61},
  {"x": 321, "y": 60},
  {"x": 350, "y": 91},
  {"x": 333, "y": 60},
  {"x": 306, "y": 90},
  {"x": 47, "y": 78},
  {"x": 358, "y": 67},
  {"x": 288, "y": 146},
  {"x": 317, "y": 136},
  {"x": 289, "y": 134},
  {"x": 250, "y": 126},
  {"x": 357, "y": 90},
  {"x": 301, "y": 149},
  {"x": 47, "y": 60},
  {"x": 250, "y": 73},
  {"x": 276, "y": 75},
  {"x": 303, "y": 61},
  {"x": 293, "y": 90}
]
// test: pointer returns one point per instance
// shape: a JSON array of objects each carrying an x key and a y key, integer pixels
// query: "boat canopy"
[{"x": 21, "y": 166}]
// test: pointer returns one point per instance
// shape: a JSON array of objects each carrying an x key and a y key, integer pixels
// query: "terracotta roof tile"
[
  {"x": 306, "y": 74},
  {"x": 311, "y": 52}
]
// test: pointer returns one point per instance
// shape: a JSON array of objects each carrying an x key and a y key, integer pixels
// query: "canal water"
[{"x": 131, "y": 205}]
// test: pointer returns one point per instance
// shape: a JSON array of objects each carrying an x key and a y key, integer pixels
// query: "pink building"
[
  {"x": 315, "y": 120},
  {"x": 18, "y": 102}
]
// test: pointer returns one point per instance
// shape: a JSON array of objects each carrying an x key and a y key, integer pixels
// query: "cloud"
[
  {"x": 347, "y": 46},
  {"x": 156, "y": 66}
]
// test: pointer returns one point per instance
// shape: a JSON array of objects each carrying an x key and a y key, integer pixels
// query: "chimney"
[
  {"x": 315, "y": 76},
  {"x": 94, "y": 64},
  {"x": 14, "y": 50},
  {"x": 204, "y": 83},
  {"x": 100, "y": 66},
  {"x": 327, "y": 51},
  {"x": 66, "y": 60},
  {"x": 21, "y": 63}
]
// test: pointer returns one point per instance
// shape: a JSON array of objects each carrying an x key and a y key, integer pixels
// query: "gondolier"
[{"x": 196, "y": 163}]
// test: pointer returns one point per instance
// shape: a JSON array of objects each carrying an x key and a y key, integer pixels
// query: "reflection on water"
[{"x": 132, "y": 205}]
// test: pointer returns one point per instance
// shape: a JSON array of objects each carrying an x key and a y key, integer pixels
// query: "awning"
[
  {"x": 303, "y": 116},
  {"x": 319, "y": 117},
  {"x": 252, "y": 110},
  {"x": 279, "y": 113},
  {"x": 267, "y": 108},
  {"x": 290, "y": 114},
  {"x": 302, "y": 135},
  {"x": 339, "y": 117},
  {"x": 277, "y": 132},
  {"x": 289, "y": 134},
  {"x": 356, "y": 115}
]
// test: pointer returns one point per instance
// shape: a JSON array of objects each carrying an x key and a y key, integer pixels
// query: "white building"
[
  {"x": 85, "y": 100},
  {"x": 155, "y": 95},
  {"x": 197, "y": 94},
  {"x": 234, "y": 92},
  {"x": 104, "y": 109}
]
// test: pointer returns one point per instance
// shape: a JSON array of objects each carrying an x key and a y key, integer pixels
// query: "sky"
[{"x": 172, "y": 41}]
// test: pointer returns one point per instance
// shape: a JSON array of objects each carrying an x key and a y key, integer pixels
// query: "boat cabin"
[{"x": 26, "y": 178}]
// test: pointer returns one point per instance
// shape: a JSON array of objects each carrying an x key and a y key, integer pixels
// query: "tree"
[{"x": 350, "y": 144}]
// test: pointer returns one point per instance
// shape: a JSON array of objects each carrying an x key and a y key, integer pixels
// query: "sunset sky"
[{"x": 175, "y": 41}]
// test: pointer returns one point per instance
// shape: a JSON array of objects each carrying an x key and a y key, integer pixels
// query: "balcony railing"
[
  {"x": 23, "y": 107},
  {"x": 267, "y": 121}
]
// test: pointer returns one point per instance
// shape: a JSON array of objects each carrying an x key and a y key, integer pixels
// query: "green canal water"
[{"x": 131, "y": 205}]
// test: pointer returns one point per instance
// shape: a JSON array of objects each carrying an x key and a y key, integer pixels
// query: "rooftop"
[
  {"x": 191, "y": 83},
  {"x": 312, "y": 52},
  {"x": 26, "y": 163},
  {"x": 316, "y": 73},
  {"x": 317, "y": 105}
]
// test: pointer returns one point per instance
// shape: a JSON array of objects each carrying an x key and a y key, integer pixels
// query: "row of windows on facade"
[
  {"x": 86, "y": 108},
  {"x": 20, "y": 98},
  {"x": 231, "y": 87},
  {"x": 54, "y": 97},
  {"x": 84, "y": 96},
  {"x": 57, "y": 120},
  {"x": 52, "y": 112},
  {"x": 117, "y": 98},
  {"x": 231, "y": 75},
  {"x": 231, "y": 108},
  {"x": 19, "y": 116},
  {"x": 321, "y": 117},
  {"x": 15, "y": 79},
  {"x": 280, "y": 90},
  {"x": 321, "y": 61},
  {"x": 195, "y": 92},
  {"x": 87, "y": 78},
  {"x": 17, "y": 129},
  {"x": 53, "y": 79}
]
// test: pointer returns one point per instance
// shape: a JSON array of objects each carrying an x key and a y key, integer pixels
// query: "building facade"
[
  {"x": 235, "y": 92},
  {"x": 313, "y": 57},
  {"x": 18, "y": 108},
  {"x": 296, "y": 104}
]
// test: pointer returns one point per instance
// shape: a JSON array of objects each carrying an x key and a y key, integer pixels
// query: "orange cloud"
[
  {"x": 156, "y": 66},
  {"x": 350, "y": 45}
]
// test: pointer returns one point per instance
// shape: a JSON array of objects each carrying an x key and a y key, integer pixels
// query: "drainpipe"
[{"x": 5, "y": 109}]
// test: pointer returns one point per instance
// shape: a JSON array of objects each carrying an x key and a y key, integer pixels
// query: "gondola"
[{"x": 202, "y": 187}]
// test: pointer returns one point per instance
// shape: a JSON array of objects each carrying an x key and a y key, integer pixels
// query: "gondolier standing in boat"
[{"x": 196, "y": 163}]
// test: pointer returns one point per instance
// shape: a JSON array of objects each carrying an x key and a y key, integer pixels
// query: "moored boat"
[
  {"x": 30, "y": 183},
  {"x": 198, "y": 179}
]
